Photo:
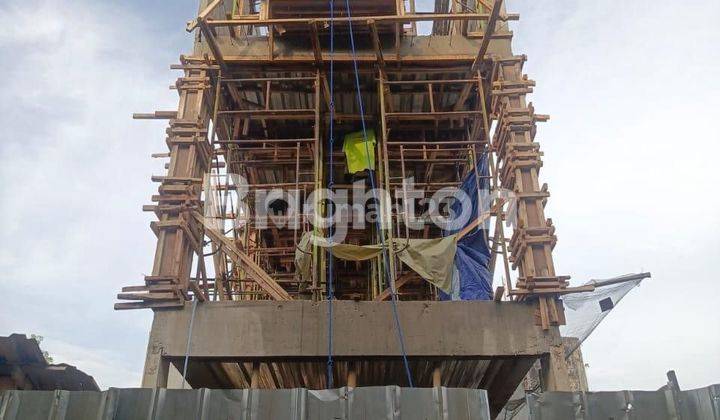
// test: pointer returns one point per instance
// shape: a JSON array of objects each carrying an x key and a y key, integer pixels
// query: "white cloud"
[
  {"x": 630, "y": 156},
  {"x": 104, "y": 364},
  {"x": 75, "y": 172},
  {"x": 630, "y": 160}
]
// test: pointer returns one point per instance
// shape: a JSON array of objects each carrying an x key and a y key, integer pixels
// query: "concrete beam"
[
  {"x": 266, "y": 329},
  {"x": 418, "y": 49}
]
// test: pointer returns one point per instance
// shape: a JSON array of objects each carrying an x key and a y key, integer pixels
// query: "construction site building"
[{"x": 270, "y": 95}]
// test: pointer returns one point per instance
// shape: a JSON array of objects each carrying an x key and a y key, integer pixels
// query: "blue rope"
[
  {"x": 331, "y": 184},
  {"x": 386, "y": 261},
  {"x": 187, "y": 347}
]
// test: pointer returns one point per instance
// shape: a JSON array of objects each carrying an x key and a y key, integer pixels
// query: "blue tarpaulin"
[{"x": 473, "y": 278}]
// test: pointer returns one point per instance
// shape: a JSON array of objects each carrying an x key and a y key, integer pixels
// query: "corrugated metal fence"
[
  {"x": 696, "y": 404},
  {"x": 371, "y": 403}
]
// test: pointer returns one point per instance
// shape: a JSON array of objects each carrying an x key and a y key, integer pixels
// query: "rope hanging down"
[
  {"x": 331, "y": 184},
  {"x": 386, "y": 260},
  {"x": 201, "y": 255},
  {"x": 187, "y": 347}
]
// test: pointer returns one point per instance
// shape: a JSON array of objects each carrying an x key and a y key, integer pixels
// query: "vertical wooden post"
[
  {"x": 255, "y": 376},
  {"x": 519, "y": 163},
  {"x": 437, "y": 377},
  {"x": 320, "y": 274},
  {"x": 190, "y": 156},
  {"x": 352, "y": 375},
  {"x": 384, "y": 179}
]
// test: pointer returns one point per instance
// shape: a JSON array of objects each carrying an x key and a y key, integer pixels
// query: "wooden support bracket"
[{"x": 267, "y": 283}]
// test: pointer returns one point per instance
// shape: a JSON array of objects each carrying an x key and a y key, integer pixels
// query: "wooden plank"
[
  {"x": 212, "y": 44},
  {"x": 268, "y": 112},
  {"x": 485, "y": 43},
  {"x": 376, "y": 44},
  {"x": 419, "y": 116},
  {"x": 315, "y": 41},
  {"x": 400, "y": 282},
  {"x": 154, "y": 288},
  {"x": 147, "y": 296},
  {"x": 199, "y": 294},
  {"x": 424, "y": 17},
  {"x": 267, "y": 283},
  {"x": 157, "y": 115},
  {"x": 494, "y": 14},
  {"x": 151, "y": 305},
  {"x": 475, "y": 223},
  {"x": 203, "y": 14},
  {"x": 552, "y": 291}
]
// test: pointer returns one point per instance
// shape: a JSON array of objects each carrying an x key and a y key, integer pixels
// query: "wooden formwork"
[{"x": 255, "y": 102}]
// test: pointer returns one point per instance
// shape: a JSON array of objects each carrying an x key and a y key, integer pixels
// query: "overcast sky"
[{"x": 631, "y": 153}]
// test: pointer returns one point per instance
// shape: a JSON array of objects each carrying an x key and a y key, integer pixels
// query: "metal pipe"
[{"x": 621, "y": 279}]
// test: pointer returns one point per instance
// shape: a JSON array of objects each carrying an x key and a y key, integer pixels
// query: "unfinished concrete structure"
[{"x": 266, "y": 85}]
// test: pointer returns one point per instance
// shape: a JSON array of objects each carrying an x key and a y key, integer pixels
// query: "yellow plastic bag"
[{"x": 356, "y": 151}]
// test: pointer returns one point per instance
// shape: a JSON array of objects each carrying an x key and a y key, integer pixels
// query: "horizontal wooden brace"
[
  {"x": 147, "y": 296},
  {"x": 417, "y": 17},
  {"x": 151, "y": 305},
  {"x": 157, "y": 115}
]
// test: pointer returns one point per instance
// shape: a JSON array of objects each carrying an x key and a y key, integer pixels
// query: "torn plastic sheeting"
[
  {"x": 584, "y": 311},
  {"x": 432, "y": 259}
]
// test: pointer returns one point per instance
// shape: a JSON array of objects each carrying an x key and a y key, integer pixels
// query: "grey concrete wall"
[{"x": 299, "y": 329}]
